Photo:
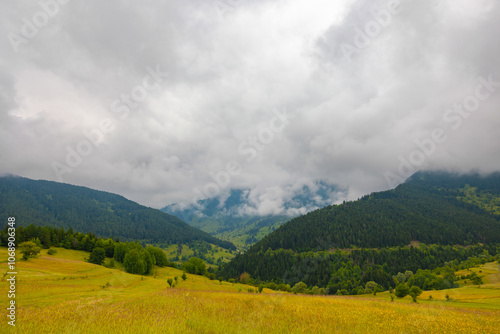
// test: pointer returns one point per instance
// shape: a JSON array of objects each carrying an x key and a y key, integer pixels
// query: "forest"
[
  {"x": 348, "y": 272},
  {"x": 46, "y": 203}
]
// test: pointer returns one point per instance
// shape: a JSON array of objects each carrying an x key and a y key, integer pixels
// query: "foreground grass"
[{"x": 63, "y": 294}]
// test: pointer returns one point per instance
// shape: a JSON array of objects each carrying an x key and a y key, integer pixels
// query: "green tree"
[
  {"x": 148, "y": 259},
  {"x": 133, "y": 263},
  {"x": 372, "y": 286},
  {"x": 402, "y": 290},
  {"x": 184, "y": 277},
  {"x": 170, "y": 282},
  {"x": 29, "y": 249},
  {"x": 414, "y": 292},
  {"x": 195, "y": 266},
  {"x": 97, "y": 256},
  {"x": 120, "y": 251},
  {"x": 300, "y": 287},
  {"x": 159, "y": 255}
]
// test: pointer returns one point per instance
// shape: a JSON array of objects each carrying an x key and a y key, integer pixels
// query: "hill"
[
  {"x": 86, "y": 210},
  {"x": 430, "y": 207},
  {"x": 238, "y": 216}
]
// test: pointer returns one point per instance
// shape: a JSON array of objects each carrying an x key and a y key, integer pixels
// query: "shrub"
[
  {"x": 245, "y": 278},
  {"x": 29, "y": 249},
  {"x": 402, "y": 290},
  {"x": 300, "y": 287}
]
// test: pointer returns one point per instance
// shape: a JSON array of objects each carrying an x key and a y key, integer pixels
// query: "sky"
[{"x": 174, "y": 101}]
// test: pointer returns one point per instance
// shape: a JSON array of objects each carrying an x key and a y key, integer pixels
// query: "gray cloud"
[{"x": 227, "y": 72}]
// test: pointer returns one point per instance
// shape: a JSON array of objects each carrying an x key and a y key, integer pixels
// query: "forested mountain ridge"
[
  {"x": 55, "y": 204},
  {"x": 430, "y": 207}
]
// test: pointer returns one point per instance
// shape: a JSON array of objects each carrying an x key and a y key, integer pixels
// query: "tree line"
[
  {"x": 348, "y": 272},
  {"x": 136, "y": 258}
]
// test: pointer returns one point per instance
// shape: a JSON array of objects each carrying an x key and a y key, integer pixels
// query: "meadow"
[
  {"x": 62, "y": 293},
  {"x": 187, "y": 252}
]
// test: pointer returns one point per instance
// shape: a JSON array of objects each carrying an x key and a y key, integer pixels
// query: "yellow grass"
[{"x": 62, "y": 294}]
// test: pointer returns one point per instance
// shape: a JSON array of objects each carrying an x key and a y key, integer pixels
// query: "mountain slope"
[
  {"x": 87, "y": 210},
  {"x": 428, "y": 208}
]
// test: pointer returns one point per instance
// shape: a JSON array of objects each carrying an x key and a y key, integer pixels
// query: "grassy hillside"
[
  {"x": 86, "y": 210},
  {"x": 64, "y": 294}
]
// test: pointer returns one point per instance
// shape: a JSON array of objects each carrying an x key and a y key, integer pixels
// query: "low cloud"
[{"x": 353, "y": 117}]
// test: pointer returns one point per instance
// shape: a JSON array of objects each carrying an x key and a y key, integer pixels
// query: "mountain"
[
  {"x": 431, "y": 219},
  {"x": 87, "y": 210},
  {"x": 241, "y": 215},
  {"x": 430, "y": 207}
]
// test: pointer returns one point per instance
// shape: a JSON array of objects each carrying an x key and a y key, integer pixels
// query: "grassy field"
[
  {"x": 64, "y": 294},
  {"x": 187, "y": 252}
]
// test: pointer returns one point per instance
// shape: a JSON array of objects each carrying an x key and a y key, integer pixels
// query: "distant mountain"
[
  {"x": 240, "y": 218},
  {"x": 87, "y": 210}
]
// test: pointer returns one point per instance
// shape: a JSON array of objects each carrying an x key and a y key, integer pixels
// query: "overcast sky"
[{"x": 152, "y": 99}]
